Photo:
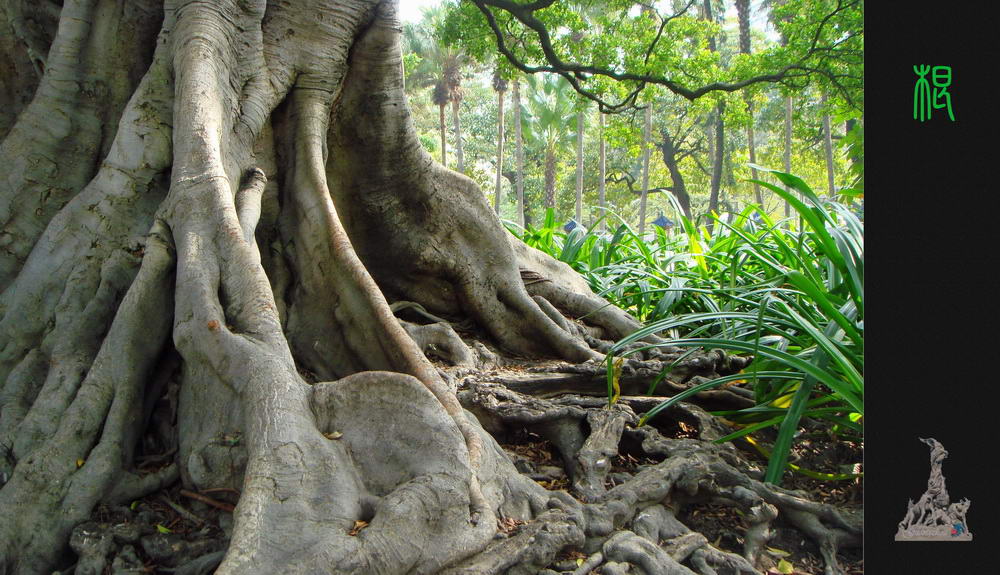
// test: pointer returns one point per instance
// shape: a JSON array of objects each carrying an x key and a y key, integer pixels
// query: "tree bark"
[
  {"x": 668, "y": 149},
  {"x": 550, "y": 177}
]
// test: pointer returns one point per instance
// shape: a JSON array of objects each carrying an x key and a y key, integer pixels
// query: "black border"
[{"x": 932, "y": 315}]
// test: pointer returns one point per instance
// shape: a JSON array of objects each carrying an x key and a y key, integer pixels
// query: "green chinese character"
[
  {"x": 942, "y": 79},
  {"x": 922, "y": 94},
  {"x": 925, "y": 101}
]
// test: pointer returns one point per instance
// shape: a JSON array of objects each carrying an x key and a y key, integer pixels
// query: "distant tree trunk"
[
  {"x": 455, "y": 103},
  {"x": 717, "y": 160},
  {"x": 498, "y": 192},
  {"x": 669, "y": 151},
  {"x": 519, "y": 153},
  {"x": 788, "y": 147},
  {"x": 645, "y": 168},
  {"x": 602, "y": 173},
  {"x": 444, "y": 144},
  {"x": 579, "y": 167},
  {"x": 828, "y": 148},
  {"x": 550, "y": 177}
]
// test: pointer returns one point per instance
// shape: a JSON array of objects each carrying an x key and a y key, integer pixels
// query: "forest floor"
[{"x": 178, "y": 531}]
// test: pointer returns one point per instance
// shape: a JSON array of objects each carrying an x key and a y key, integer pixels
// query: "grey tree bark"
[{"x": 223, "y": 199}]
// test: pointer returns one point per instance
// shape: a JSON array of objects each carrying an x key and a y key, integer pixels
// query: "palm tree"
[
  {"x": 550, "y": 105},
  {"x": 439, "y": 68},
  {"x": 499, "y": 86}
]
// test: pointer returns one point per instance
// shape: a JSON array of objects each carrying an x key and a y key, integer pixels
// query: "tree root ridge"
[{"x": 690, "y": 470}]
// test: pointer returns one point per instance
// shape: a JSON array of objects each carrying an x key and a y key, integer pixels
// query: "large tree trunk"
[{"x": 229, "y": 208}]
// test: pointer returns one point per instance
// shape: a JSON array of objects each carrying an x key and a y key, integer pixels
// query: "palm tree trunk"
[
  {"x": 444, "y": 145},
  {"x": 579, "y": 167},
  {"x": 519, "y": 145},
  {"x": 828, "y": 148},
  {"x": 645, "y": 168},
  {"x": 758, "y": 197},
  {"x": 499, "y": 191},
  {"x": 458, "y": 135},
  {"x": 602, "y": 169},
  {"x": 550, "y": 177}
]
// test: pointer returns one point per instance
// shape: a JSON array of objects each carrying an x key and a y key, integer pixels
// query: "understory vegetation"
[{"x": 789, "y": 293}]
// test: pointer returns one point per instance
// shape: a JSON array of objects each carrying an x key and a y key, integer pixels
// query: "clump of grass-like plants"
[{"x": 788, "y": 293}]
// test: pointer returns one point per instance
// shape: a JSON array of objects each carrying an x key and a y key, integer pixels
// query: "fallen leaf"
[
  {"x": 785, "y": 567},
  {"x": 162, "y": 529},
  {"x": 777, "y": 552},
  {"x": 333, "y": 435},
  {"x": 358, "y": 526},
  {"x": 79, "y": 463}
]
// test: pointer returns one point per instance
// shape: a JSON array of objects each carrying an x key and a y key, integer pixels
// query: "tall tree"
[
  {"x": 500, "y": 87},
  {"x": 828, "y": 150},
  {"x": 549, "y": 124},
  {"x": 743, "y": 16},
  {"x": 440, "y": 68},
  {"x": 719, "y": 134},
  {"x": 647, "y": 126},
  {"x": 519, "y": 152}
]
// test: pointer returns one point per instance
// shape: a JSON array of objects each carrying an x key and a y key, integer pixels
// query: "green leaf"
[{"x": 162, "y": 529}]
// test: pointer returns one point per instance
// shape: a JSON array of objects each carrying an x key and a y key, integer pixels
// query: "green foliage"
[
  {"x": 614, "y": 48},
  {"x": 791, "y": 299}
]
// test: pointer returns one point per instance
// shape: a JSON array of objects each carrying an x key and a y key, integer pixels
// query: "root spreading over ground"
[{"x": 212, "y": 214}]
